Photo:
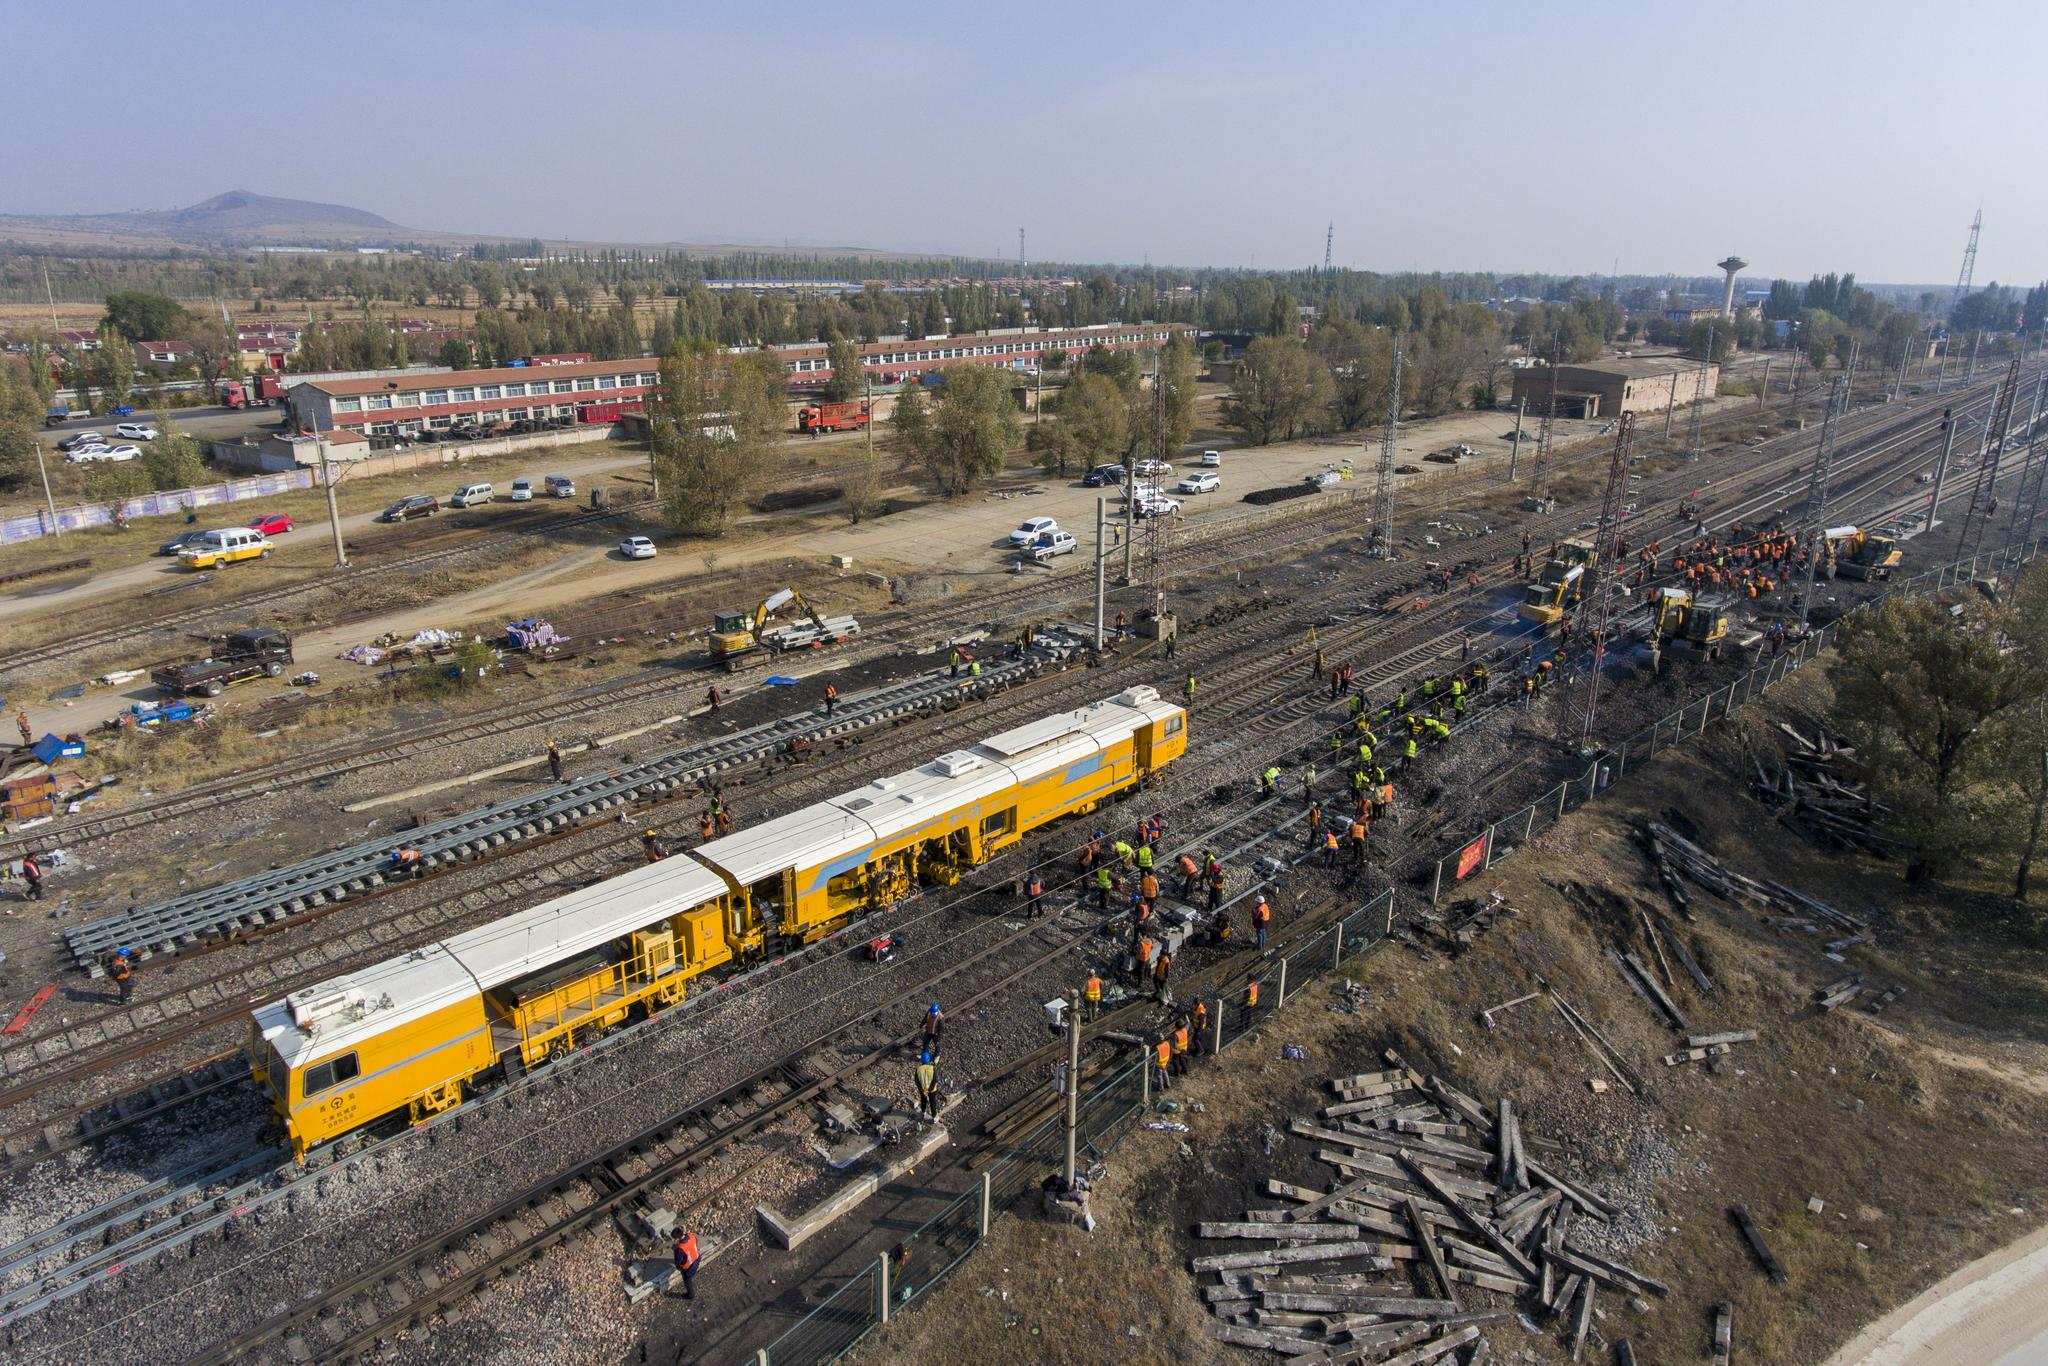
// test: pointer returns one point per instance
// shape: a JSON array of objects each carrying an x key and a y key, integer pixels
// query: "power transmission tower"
[
  {"x": 1815, "y": 511},
  {"x": 1383, "y": 495},
  {"x": 1539, "y": 481},
  {"x": 1969, "y": 262},
  {"x": 2026, "y": 503},
  {"x": 1575, "y": 722},
  {"x": 1695, "y": 439},
  {"x": 1329, "y": 240},
  {"x": 1985, "y": 492}
]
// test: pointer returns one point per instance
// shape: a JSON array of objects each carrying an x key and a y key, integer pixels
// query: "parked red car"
[{"x": 272, "y": 524}]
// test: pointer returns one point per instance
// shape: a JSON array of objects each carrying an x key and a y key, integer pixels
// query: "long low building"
[
  {"x": 1609, "y": 388},
  {"x": 405, "y": 403}
]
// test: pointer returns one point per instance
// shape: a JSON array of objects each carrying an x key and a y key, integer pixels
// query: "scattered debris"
[
  {"x": 1772, "y": 1266},
  {"x": 1815, "y": 793}
]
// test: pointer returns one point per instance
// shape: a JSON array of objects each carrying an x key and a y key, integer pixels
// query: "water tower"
[{"x": 1730, "y": 266}]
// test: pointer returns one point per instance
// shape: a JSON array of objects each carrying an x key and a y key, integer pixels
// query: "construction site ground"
[{"x": 1916, "y": 1130}]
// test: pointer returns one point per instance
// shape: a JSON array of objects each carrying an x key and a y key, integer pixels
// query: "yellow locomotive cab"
[{"x": 412, "y": 1036}]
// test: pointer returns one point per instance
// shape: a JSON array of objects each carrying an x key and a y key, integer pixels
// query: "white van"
[
  {"x": 522, "y": 490},
  {"x": 469, "y": 495},
  {"x": 219, "y": 549},
  {"x": 561, "y": 486}
]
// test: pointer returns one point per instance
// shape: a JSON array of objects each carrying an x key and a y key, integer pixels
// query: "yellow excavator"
[
  {"x": 1695, "y": 624},
  {"x": 1856, "y": 553},
  {"x": 736, "y": 637},
  {"x": 1557, "y": 589}
]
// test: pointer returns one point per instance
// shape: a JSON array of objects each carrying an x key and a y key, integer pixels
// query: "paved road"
[
  {"x": 1993, "y": 1312},
  {"x": 211, "y": 424}
]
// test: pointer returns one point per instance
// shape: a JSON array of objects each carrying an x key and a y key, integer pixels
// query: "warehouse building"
[
  {"x": 1609, "y": 388},
  {"x": 1015, "y": 348},
  {"x": 404, "y": 405}
]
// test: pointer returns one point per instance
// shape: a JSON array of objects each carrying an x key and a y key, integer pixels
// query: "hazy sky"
[{"x": 1570, "y": 137}]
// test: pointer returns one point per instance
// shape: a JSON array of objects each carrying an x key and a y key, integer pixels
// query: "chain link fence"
[
  {"x": 1110, "y": 1108},
  {"x": 1499, "y": 839}
]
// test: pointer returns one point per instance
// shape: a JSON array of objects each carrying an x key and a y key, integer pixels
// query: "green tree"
[
  {"x": 1090, "y": 426},
  {"x": 717, "y": 432},
  {"x": 1723, "y": 335},
  {"x": 1916, "y": 689},
  {"x": 1276, "y": 391},
  {"x": 455, "y": 354},
  {"x": 112, "y": 483},
  {"x": 1359, "y": 361},
  {"x": 215, "y": 354},
  {"x": 1165, "y": 420},
  {"x": 173, "y": 460},
  {"x": 21, "y": 413},
  {"x": 846, "y": 383},
  {"x": 113, "y": 373},
  {"x": 861, "y": 496},
  {"x": 1053, "y": 358},
  {"x": 963, "y": 437},
  {"x": 137, "y": 315}
]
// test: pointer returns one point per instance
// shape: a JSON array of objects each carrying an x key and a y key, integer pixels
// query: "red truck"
[
  {"x": 832, "y": 417},
  {"x": 262, "y": 389}
]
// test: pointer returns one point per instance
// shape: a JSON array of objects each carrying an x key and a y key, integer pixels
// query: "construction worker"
[
  {"x": 974, "y": 668},
  {"x": 722, "y": 815},
  {"x": 1457, "y": 690},
  {"x": 1190, "y": 878},
  {"x": 28, "y": 734},
  {"x": 712, "y": 699},
  {"x": 1141, "y": 959},
  {"x": 1365, "y": 752},
  {"x": 1308, "y": 783},
  {"x": 831, "y": 699},
  {"x": 1144, "y": 858},
  {"x": 953, "y": 665},
  {"x": 1528, "y": 691},
  {"x": 1358, "y": 829},
  {"x": 1358, "y": 706},
  {"x": 407, "y": 862},
  {"x": 1408, "y": 754},
  {"x": 1383, "y": 801},
  {"x": 1330, "y": 849},
  {"x": 1215, "y": 887},
  {"x": 1034, "y": 894},
  {"x": 1251, "y": 994},
  {"x": 1123, "y": 624},
  {"x": 1188, "y": 690},
  {"x": 707, "y": 826},
  {"x": 1269, "y": 782},
  {"x": 1262, "y": 915},
  {"x": 1104, "y": 885},
  {"x": 555, "y": 760},
  {"x": 927, "y": 1087},
  {"x": 1358, "y": 780},
  {"x": 1439, "y": 733},
  {"x": 121, "y": 969},
  {"x": 1148, "y": 888},
  {"x": 688, "y": 1259},
  {"x": 1162, "y": 1061},
  {"x": 934, "y": 1028},
  {"x": 1180, "y": 1047},
  {"x": 1315, "y": 823},
  {"x": 1219, "y": 929},
  {"x": 1198, "y": 1025},
  {"x": 1401, "y": 700},
  {"x": 1092, "y": 994},
  {"x": 1319, "y": 664},
  {"x": 1160, "y": 971},
  {"x": 32, "y": 874},
  {"x": 1091, "y": 850},
  {"x": 1458, "y": 706}
]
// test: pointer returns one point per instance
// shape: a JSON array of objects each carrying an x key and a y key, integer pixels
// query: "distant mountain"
[{"x": 235, "y": 217}]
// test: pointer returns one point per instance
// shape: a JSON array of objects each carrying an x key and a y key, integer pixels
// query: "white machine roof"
[{"x": 343, "y": 1011}]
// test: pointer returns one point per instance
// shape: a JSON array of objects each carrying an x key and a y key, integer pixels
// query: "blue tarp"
[
  {"x": 781, "y": 681},
  {"x": 50, "y": 749}
]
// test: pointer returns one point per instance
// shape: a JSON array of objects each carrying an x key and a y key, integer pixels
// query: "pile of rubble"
[{"x": 1436, "y": 1193}]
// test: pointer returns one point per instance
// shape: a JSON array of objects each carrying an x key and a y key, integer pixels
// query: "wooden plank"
[
  {"x": 1713, "y": 1040},
  {"x": 1624, "y": 1353},
  {"x": 1365, "y": 1079},
  {"x": 1614, "y": 1273},
  {"x": 1484, "y": 1281},
  {"x": 1657, "y": 992},
  {"x": 1585, "y": 1200},
  {"x": 1565, "y": 1293},
  {"x": 1430, "y": 1250},
  {"x": 1772, "y": 1266},
  {"x": 1296, "y": 1233},
  {"x": 1724, "y": 1331},
  {"x": 28, "y": 1011},
  {"x": 1373, "y": 1344},
  {"x": 1281, "y": 1256},
  {"x": 1253, "y": 1337},
  {"x": 1585, "y": 1319},
  {"x": 1434, "y": 1348},
  {"x": 1656, "y": 948},
  {"x": 1692, "y": 967},
  {"x": 1487, "y": 1232},
  {"x": 1323, "y": 1202},
  {"x": 1478, "y": 1259},
  {"x": 1387, "y": 1306},
  {"x": 1389, "y": 1167},
  {"x": 1473, "y": 1112}
]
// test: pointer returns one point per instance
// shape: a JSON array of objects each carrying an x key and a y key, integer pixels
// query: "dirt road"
[{"x": 1993, "y": 1312}]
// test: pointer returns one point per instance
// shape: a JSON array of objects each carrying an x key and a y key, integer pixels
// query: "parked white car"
[
  {"x": 1322, "y": 479},
  {"x": 135, "y": 431},
  {"x": 1053, "y": 543},
  {"x": 1201, "y": 481},
  {"x": 522, "y": 490},
  {"x": 1212, "y": 460},
  {"x": 1031, "y": 529},
  {"x": 123, "y": 453},
  {"x": 1154, "y": 469},
  {"x": 637, "y": 548},
  {"x": 87, "y": 455},
  {"x": 1143, "y": 490},
  {"x": 1158, "y": 507},
  {"x": 80, "y": 440}
]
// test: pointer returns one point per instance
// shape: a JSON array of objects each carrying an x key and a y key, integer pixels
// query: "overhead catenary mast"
[
  {"x": 1969, "y": 262},
  {"x": 1383, "y": 494},
  {"x": 1603, "y": 571}
]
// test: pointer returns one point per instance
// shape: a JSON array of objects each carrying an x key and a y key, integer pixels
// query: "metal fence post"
[
  {"x": 1145, "y": 1077},
  {"x": 1337, "y": 956},
  {"x": 1560, "y": 801},
  {"x": 882, "y": 1288},
  {"x": 1218, "y": 1047},
  {"x": 1529, "y": 826},
  {"x": 987, "y": 1199},
  {"x": 761, "y": 1357},
  {"x": 1280, "y": 996},
  {"x": 1436, "y": 886}
]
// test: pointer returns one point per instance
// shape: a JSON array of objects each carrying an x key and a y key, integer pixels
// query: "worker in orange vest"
[
  {"x": 1251, "y": 995},
  {"x": 1141, "y": 961},
  {"x": 1093, "y": 993},
  {"x": 1162, "y": 1060},
  {"x": 688, "y": 1259},
  {"x": 1261, "y": 915},
  {"x": 1159, "y": 974},
  {"x": 1180, "y": 1049},
  {"x": 1198, "y": 1025}
]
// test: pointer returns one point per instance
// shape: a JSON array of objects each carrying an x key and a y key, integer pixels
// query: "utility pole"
[
  {"x": 1941, "y": 375},
  {"x": 1603, "y": 572},
  {"x": 2027, "y": 497},
  {"x": 1383, "y": 492},
  {"x": 1976, "y": 340},
  {"x": 1763, "y": 390},
  {"x": 1948, "y": 441},
  {"x": 1073, "y": 1013},
  {"x": 1540, "y": 479},
  {"x": 56, "y": 527},
  {"x": 333, "y": 509},
  {"x": 1899, "y": 380},
  {"x": 51, "y": 299},
  {"x": 1671, "y": 405},
  {"x": 867, "y": 380},
  {"x": 1815, "y": 511},
  {"x": 1798, "y": 375},
  {"x": 1515, "y": 452},
  {"x": 1985, "y": 492},
  {"x": 1101, "y": 558}
]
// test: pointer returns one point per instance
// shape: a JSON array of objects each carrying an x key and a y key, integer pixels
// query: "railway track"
[{"x": 371, "y": 1330}]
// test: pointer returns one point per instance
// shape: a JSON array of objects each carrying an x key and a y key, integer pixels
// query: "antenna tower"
[
  {"x": 1383, "y": 495},
  {"x": 1985, "y": 489},
  {"x": 1329, "y": 240},
  {"x": 1695, "y": 439},
  {"x": 1969, "y": 262},
  {"x": 1814, "y": 513},
  {"x": 1576, "y": 722}
]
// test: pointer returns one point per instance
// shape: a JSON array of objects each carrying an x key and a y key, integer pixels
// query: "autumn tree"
[
  {"x": 1163, "y": 419},
  {"x": 716, "y": 432},
  {"x": 961, "y": 437},
  {"x": 1090, "y": 426},
  {"x": 137, "y": 315},
  {"x": 844, "y": 359},
  {"x": 1277, "y": 389},
  {"x": 216, "y": 354},
  {"x": 21, "y": 412}
]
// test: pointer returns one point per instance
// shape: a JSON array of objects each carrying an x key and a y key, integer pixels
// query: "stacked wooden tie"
[{"x": 1433, "y": 1186}]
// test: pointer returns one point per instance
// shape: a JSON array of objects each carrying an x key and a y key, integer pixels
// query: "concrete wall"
[
  {"x": 273, "y": 454},
  {"x": 1617, "y": 390}
]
